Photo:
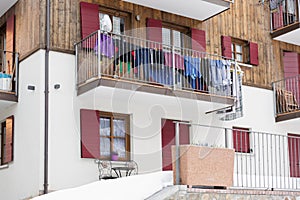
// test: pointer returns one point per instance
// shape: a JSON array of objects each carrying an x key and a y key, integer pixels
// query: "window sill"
[
  {"x": 244, "y": 65},
  {"x": 3, "y": 166}
]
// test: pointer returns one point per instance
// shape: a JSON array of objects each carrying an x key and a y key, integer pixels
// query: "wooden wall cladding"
[{"x": 247, "y": 20}]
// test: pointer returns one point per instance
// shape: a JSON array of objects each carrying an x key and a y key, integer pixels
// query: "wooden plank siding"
[{"x": 246, "y": 20}]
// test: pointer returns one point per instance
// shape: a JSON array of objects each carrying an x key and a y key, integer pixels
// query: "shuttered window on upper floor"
[{"x": 240, "y": 50}]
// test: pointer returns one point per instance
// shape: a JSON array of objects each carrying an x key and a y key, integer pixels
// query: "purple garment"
[
  {"x": 179, "y": 61},
  {"x": 107, "y": 47}
]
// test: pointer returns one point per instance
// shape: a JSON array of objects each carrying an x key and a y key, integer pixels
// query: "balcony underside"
[
  {"x": 287, "y": 116},
  {"x": 7, "y": 99},
  {"x": 154, "y": 89},
  {"x": 196, "y": 9},
  {"x": 289, "y": 34}
]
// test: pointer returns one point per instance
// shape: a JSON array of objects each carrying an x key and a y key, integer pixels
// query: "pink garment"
[{"x": 179, "y": 61}]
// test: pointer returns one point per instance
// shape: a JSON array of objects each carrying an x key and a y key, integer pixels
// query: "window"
[
  {"x": 103, "y": 133},
  {"x": 114, "y": 135},
  {"x": 6, "y": 141},
  {"x": 173, "y": 35},
  {"x": 113, "y": 21},
  {"x": 241, "y": 140},
  {"x": 239, "y": 50}
]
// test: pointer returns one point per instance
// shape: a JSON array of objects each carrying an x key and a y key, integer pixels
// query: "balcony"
[
  {"x": 132, "y": 63},
  {"x": 287, "y": 96},
  {"x": 285, "y": 24},
  {"x": 8, "y": 78},
  {"x": 195, "y": 9},
  {"x": 263, "y": 161}
]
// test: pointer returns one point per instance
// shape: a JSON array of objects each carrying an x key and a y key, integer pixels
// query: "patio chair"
[
  {"x": 132, "y": 164},
  {"x": 105, "y": 170}
]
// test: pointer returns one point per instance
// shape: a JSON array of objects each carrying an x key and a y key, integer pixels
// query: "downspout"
[{"x": 46, "y": 97}]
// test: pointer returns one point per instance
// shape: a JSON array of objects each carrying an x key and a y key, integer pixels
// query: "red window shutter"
[
  {"x": 8, "y": 143},
  {"x": 291, "y": 64},
  {"x": 241, "y": 140},
  {"x": 226, "y": 46},
  {"x": 294, "y": 152},
  {"x": 10, "y": 35},
  {"x": 253, "y": 48},
  {"x": 89, "y": 18},
  {"x": 90, "y": 136},
  {"x": 154, "y": 32},
  {"x": 198, "y": 40},
  {"x": 168, "y": 139}
]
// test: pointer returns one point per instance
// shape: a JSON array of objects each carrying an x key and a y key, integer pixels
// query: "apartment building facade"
[{"x": 118, "y": 73}]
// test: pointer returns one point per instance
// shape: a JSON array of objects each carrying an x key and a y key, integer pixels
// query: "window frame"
[
  {"x": 3, "y": 135},
  {"x": 245, "y": 50},
  {"x": 116, "y": 13},
  {"x": 184, "y": 31},
  {"x": 127, "y": 137},
  {"x": 236, "y": 144}
]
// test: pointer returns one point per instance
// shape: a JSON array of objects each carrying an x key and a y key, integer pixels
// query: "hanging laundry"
[
  {"x": 107, "y": 47},
  {"x": 192, "y": 72}
]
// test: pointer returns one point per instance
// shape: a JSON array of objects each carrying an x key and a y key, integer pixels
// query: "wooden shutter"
[
  {"x": 8, "y": 140},
  {"x": 168, "y": 139},
  {"x": 90, "y": 136},
  {"x": 241, "y": 140},
  {"x": 10, "y": 35},
  {"x": 294, "y": 152},
  {"x": 253, "y": 50},
  {"x": 226, "y": 46},
  {"x": 198, "y": 40},
  {"x": 291, "y": 64},
  {"x": 154, "y": 32},
  {"x": 89, "y": 18},
  {"x": 89, "y": 15}
]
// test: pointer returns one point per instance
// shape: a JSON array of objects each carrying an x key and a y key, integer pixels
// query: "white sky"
[{"x": 5, "y": 5}]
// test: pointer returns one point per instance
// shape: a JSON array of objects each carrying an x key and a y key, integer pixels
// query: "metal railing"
[
  {"x": 139, "y": 60},
  {"x": 262, "y": 160},
  {"x": 9, "y": 66},
  {"x": 283, "y": 13},
  {"x": 287, "y": 95}
]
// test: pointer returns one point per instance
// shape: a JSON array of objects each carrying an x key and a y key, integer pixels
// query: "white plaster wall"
[
  {"x": 67, "y": 169},
  {"x": 22, "y": 179}
]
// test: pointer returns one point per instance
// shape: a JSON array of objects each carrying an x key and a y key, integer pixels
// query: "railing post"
[
  {"x": 99, "y": 54},
  {"x": 173, "y": 67},
  {"x": 76, "y": 66},
  {"x": 274, "y": 99},
  {"x": 177, "y": 157},
  {"x": 17, "y": 74}
]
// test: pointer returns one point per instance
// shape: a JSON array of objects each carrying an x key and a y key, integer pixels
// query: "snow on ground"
[{"x": 136, "y": 187}]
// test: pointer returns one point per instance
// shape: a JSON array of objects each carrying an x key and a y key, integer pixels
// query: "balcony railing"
[
  {"x": 262, "y": 160},
  {"x": 283, "y": 13},
  {"x": 9, "y": 65},
  {"x": 137, "y": 60},
  {"x": 287, "y": 95}
]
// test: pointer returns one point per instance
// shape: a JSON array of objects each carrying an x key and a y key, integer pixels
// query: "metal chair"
[
  {"x": 134, "y": 168},
  {"x": 105, "y": 170}
]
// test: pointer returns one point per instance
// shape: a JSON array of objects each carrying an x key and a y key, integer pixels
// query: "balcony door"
[
  {"x": 294, "y": 154},
  {"x": 168, "y": 139}
]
